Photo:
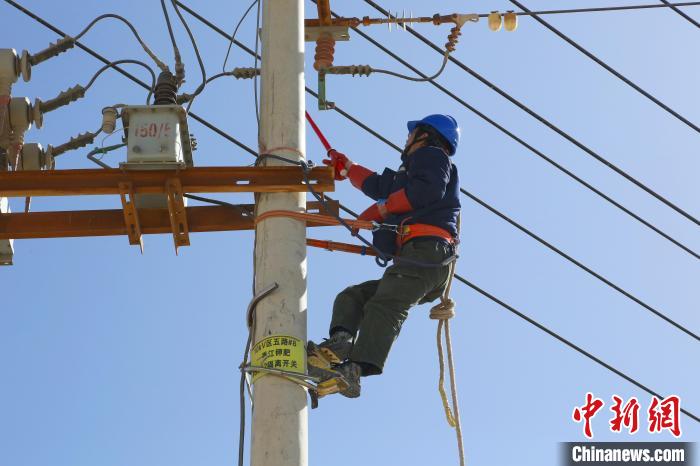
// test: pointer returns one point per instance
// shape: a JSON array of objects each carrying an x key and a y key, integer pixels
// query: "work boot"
[
  {"x": 333, "y": 350},
  {"x": 351, "y": 372}
]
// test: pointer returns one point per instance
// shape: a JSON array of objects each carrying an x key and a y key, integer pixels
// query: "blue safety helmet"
[{"x": 445, "y": 125}]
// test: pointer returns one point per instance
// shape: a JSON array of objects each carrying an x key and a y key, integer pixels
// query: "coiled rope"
[{"x": 443, "y": 312}]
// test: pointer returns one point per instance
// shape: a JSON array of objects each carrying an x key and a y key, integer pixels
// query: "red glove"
[{"x": 339, "y": 162}]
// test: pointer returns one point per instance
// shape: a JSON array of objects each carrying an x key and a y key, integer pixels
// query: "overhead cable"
[
  {"x": 543, "y": 120},
  {"x": 542, "y": 241},
  {"x": 235, "y": 31},
  {"x": 162, "y": 66},
  {"x": 603, "y": 9},
  {"x": 609, "y": 68},
  {"x": 460, "y": 278},
  {"x": 681, "y": 13},
  {"x": 179, "y": 66},
  {"x": 567, "y": 342},
  {"x": 196, "y": 52},
  {"x": 512, "y": 136}
]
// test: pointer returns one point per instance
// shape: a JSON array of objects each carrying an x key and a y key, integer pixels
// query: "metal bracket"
[
  {"x": 339, "y": 33},
  {"x": 131, "y": 215},
  {"x": 178, "y": 213},
  {"x": 323, "y": 104}
]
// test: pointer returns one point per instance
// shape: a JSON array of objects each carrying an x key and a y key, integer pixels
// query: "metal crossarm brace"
[
  {"x": 83, "y": 223},
  {"x": 178, "y": 214},
  {"x": 192, "y": 180},
  {"x": 131, "y": 216}
]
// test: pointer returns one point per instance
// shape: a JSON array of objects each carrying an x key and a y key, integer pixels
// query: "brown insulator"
[
  {"x": 453, "y": 38},
  {"x": 325, "y": 48},
  {"x": 166, "y": 89}
]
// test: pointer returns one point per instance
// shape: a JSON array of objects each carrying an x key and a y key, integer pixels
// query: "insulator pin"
[
  {"x": 495, "y": 21},
  {"x": 64, "y": 98},
  {"x": 453, "y": 38},
  {"x": 77, "y": 142},
  {"x": 166, "y": 89},
  {"x": 245, "y": 73},
  {"x": 52, "y": 50},
  {"x": 109, "y": 120},
  {"x": 325, "y": 49},
  {"x": 360, "y": 70},
  {"x": 510, "y": 21}
]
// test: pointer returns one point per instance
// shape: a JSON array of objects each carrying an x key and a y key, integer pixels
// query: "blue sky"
[{"x": 110, "y": 357}]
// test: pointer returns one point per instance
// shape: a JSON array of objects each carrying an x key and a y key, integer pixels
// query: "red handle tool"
[{"x": 318, "y": 132}]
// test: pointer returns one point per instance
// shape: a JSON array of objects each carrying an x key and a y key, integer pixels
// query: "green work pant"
[{"x": 378, "y": 308}]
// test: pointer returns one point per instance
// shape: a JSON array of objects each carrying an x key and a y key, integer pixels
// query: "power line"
[
  {"x": 543, "y": 120},
  {"x": 580, "y": 265},
  {"x": 179, "y": 67},
  {"x": 309, "y": 91},
  {"x": 126, "y": 74},
  {"x": 602, "y": 9},
  {"x": 515, "y": 138},
  {"x": 202, "y": 70},
  {"x": 684, "y": 15},
  {"x": 496, "y": 212},
  {"x": 609, "y": 68},
  {"x": 460, "y": 278},
  {"x": 567, "y": 342},
  {"x": 235, "y": 31}
]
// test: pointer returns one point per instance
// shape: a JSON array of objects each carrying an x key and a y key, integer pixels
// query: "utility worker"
[{"x": 422, "y": 199}]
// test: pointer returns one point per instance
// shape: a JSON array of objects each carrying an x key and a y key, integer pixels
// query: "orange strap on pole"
[
  {"x": 343, "y": 247},
  {"x": 316, "y": 218}
]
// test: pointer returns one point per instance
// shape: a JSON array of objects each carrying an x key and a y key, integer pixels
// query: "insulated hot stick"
[{"x": 318, "y": 132}]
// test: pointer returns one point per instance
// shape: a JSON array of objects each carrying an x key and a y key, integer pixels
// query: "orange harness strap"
[{"x": 408, "y": 232}]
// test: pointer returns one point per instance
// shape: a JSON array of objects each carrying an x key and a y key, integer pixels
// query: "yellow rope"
[{"x": 443, "y": 312}]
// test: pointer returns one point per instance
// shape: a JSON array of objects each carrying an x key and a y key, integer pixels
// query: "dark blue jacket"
[{"x": 432, "y": 187}]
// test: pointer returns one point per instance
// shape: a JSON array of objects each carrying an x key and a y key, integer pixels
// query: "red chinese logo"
[
  {"x": 665, "y": 415},
  {"x": 587, "y": 412},
  {"x": 625, "y": 416},
  {"x": 662, "y": 414}
]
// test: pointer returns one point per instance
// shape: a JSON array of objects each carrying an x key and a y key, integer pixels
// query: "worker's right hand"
[{"x": 340, "y": 163}]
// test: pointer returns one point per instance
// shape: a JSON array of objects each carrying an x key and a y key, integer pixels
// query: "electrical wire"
[
  {"x": 602, "y": 9},
  {"x": 244, "y": 211},
  {"x": 235, "y": 31},
  {"x": 541, "y": 119},
  {"x": 607, "y": 67},
  {"x": 474, "y": 110},
  {"x": 125, "y": 73},
  {"x": 460, "y": 278},
  {"x": 567, "y": 342},
  {"x": 510, "y": 135},
  {"x": 570, "y": 259},
  {"x": 162, "y": 66},
  {"x": 412, "y": 78},
  {"x": 309, "y": 91},
  {"x": 683, "y": 14},
  {"x": 196, "y": 52},
  {"x": 255, "y": 66},
  {"x": 580, "y": 265},
  {"x": 190, "y": 98},
  {"x": 179, "y": 66},
  {"x": 120, "y": 62}
]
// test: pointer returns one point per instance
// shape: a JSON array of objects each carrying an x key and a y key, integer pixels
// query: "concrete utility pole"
[{"x": 280, "y": 417}]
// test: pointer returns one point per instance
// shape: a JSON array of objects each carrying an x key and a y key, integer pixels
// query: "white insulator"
[
  {"x": 510, "y": 20},
  {"x": 109, "y": 120},
  {"x": 495, "y": 21}
]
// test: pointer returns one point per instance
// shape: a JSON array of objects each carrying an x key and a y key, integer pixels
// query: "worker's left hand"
[{"x": 340, "y": 163}]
